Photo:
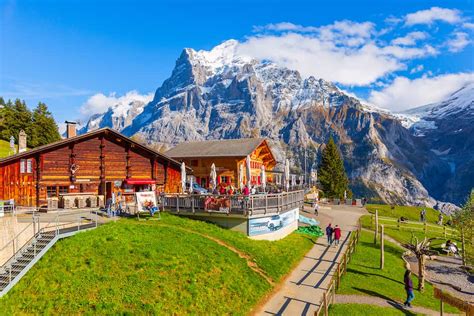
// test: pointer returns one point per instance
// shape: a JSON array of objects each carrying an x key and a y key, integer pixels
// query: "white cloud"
[
  {"x": 468, "y": 25},
  {"x": 99, "y": 102},
  {"x": 312, "y": 56},
  {"x": 417, "y": 69},
  {"x": 410, "y": 39},
  {"x": 404, "y": 93},
  {"x": 429, "y": 16},
  {"x": 402, "y": 53},
  {"x": 285, "y": 26},
  {"x": 458, "y": 42}
]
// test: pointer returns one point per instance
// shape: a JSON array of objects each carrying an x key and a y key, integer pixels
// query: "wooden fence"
[
  {"x": 414, "y": 226},
  {"x": 329, "y": 295}
]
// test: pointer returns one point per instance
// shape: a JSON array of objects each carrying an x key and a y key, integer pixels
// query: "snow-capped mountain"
[
  {"x": 447, "y": 128},
  {"x": 223, "y": 94}
]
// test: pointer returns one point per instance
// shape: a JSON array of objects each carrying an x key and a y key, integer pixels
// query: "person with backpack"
[
  {"x": 329, "y": 232},
  {"x": 337, "y": 235},
  {"x": 408, "y": 288}
]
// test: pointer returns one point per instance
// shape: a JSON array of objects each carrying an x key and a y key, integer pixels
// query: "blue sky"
[{"x": 66, "y": 52}]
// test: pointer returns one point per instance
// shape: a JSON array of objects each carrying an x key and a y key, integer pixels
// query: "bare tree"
[{"x": 421, "y": 250}]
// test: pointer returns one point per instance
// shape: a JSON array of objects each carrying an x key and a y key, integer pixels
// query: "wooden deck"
[{"x": 235, "y": 205}]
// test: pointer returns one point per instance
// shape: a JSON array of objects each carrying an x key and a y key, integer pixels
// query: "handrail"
[{"x": 16, "y": 236}]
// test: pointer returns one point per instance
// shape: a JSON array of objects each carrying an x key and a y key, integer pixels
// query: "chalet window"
[
  {"x": 29, "y": 166},
  {"x": 51, "y": 191},
  {"x": 225, "y": 179},
  {"x": 26, "y": 166},
  {"x": 194, "y": 163},
  {"x": 22, "y": 165},
  {"x": 63, "y": 190}
]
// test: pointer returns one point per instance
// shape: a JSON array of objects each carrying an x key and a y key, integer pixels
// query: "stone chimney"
[
  {"x": 22, "y": 141},
  {"x": 70, "y": 129}
]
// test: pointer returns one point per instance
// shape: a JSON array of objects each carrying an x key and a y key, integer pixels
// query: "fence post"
[
  {"x": 463, "y": 245},
  {"x": 398, "y": 225},
  {"x": 177, "y": 203},
  {"x": 333, "y": 293},
  {"x": 345, "y": 263},
  {"x": 425, "y": 227},
  {"x": 381, "y": 248},
  {"x": 444, "y": 228},
  {"x": 325, "y": 301},
  {"x": 441, "y": 307},
  {"x": 376, "y": 226},
  {"x": 338, "y": 274}
]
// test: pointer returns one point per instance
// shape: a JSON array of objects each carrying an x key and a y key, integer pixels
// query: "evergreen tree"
[
  {"x": 331, "y": 173},
  {"x": 6, "y": 117},
  {"x": 21, "y": 120},
  {"x": 43, "y": 129}
]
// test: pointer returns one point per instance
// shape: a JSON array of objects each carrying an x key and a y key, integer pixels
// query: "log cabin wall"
[{"x": 21, "y": 178}]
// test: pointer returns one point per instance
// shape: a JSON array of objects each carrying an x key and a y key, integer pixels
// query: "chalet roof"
[
  {"x": 77, "y": 138},
  {"x": 216, "y": 148}
]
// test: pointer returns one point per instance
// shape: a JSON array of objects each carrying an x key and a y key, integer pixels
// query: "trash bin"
[{"x": 52, "y": 203}]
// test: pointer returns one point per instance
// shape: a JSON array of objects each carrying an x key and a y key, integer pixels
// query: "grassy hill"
[
  {"x": 4, "y": 148},
  {"x": 174, "y": 266}
]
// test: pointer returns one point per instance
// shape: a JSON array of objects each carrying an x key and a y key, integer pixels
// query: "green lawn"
[
  {"x": 410, "y": 212},
  {"x": 405, "y": 234},
  {"x": 152, "y": 267},
  {"x": 4, "y": 148},
  {"x": 364, "y": 310},
  {"x": 365, "y": 278}
]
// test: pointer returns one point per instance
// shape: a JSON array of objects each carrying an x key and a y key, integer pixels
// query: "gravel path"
[
  {"x": 373, "y": 300},
  {"x": 446, "y": 274}
]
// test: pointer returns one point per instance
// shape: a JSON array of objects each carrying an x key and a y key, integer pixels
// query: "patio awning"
[{"x": 140, "y": 181}]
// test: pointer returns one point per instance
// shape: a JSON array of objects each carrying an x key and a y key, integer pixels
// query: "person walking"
[
  {"x": 329, "y": 232},
  {"x": 440, "y": 219},
  {"x": 408, "y": 288},
  {"x": 337, "y": 235},
  {"x": 316, "y": 208}
]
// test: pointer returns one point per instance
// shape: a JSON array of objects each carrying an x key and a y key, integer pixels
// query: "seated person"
[
  {"x": 451, "y": 247},
  {"x": 402, "y": 219}
]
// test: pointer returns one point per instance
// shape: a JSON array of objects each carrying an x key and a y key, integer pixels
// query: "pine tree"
[
  {"x": 331, "y": 173},
  {"x": 6, "y": 117},
  {"x": 44, "y": 129}
]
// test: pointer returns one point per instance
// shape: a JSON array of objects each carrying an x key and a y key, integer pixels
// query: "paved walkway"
[{"x": 302, "y": 292}]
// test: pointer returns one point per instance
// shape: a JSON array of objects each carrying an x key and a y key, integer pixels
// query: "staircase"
[{"x": 21, "y": 262}]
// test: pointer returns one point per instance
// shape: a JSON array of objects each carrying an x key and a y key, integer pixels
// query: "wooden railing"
[
  {"x": 329, "y": 295},
  {"x": 257, "y": 204},
  {"x": 415, "y": 226}
]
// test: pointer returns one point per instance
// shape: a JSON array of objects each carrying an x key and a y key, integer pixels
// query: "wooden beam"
[
  {"x": 102, "y": 165},
  {"x": 38, "y": 179},
  {"x": 128, "y": 165}
]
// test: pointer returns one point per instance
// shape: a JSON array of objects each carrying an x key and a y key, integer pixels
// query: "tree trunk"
[{"x": 421, "y": 273}]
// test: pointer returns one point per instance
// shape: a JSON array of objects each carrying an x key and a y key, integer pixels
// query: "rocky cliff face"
[{"x": 220, "y": 94}]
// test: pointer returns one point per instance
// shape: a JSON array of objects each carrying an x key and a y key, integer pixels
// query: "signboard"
[
  {"x": 2, "y": 208},
  {"x": 145, "y": 200},
  {"x": 269, "y": 224}
]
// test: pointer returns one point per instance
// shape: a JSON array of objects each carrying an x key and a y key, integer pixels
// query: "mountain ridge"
[{"x": 218, "y": 94}]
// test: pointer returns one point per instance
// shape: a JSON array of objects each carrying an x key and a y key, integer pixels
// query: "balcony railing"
[{"x": 258, "y": 204}]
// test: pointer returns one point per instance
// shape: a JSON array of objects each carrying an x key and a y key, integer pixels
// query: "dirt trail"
[{"x": 250, "y": 263}]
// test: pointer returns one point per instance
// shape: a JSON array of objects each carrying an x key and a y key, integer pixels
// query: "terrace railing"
[{"x": 258, "y": 204}]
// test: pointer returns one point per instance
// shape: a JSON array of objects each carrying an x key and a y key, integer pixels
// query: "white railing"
[
  {"x": 46, "y": 223},
  {"x": 234, "y": 204}
]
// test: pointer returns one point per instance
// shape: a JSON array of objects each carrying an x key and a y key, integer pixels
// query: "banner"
[
  {"x": 145, "y": 200},
  {"x": 269, "y": 224}
]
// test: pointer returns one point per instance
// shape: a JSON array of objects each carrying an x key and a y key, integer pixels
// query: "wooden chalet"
[
  {"x": 97, "y": 163},
  {"x": 227, "y": 155}
]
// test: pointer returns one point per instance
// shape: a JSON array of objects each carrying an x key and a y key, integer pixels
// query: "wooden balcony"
[{"x": 233, "y": 205}]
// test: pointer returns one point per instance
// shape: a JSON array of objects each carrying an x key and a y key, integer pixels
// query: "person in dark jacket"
[
  {"x": 408, "y": 288},
  {"x": 329, "y": 232}
]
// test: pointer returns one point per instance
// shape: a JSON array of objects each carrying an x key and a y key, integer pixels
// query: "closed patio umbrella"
[
  {"x": 263, "y": 178},
  {"x": 287, "y": 174},
  {"x": 191, "y": 184},
  {"x": 247, "y": 161},
  {"x": 213, "y": 177},
  {"x": 183, "y": 177},
  {"x": 241, "y": 176}
]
